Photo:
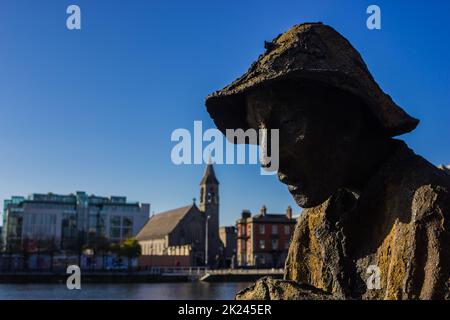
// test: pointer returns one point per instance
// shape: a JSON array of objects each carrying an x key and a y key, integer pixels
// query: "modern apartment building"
[
  {"x": 69, "y": 221},
  {"x": 263, "y": 240}
]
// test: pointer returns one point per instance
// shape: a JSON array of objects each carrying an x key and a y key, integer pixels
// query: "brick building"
[{"x": 263, "y": 240}]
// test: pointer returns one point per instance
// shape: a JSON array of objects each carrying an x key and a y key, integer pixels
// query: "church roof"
[
  {"x": 162, "y": 224},
  {"x": 209, "y": 176}
]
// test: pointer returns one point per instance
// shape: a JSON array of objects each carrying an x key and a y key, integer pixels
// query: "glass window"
[
  {"x": 115, "y": 227},
  {"x": 262, "y": 229},
  {"x": 101, "y": 226},
  {"x": 115, "y": 221},
  {"x": 15, "y": 227},
  {"x": 127, "y": 227},
  {"x": 39, "y": 226},
  {"x": 287, "y": 230},
  {"x": 127, "y": 222},
  {"x": 274, "y": 229},
  {"x": 68, "y": 226},
  {"x": 92, "y": 223},
  {"x": 262, "y": 244},
  {"x": 241, "y": 230},
  {"x": 121, "y": 227},
  {"x": 274, "y": 244}
]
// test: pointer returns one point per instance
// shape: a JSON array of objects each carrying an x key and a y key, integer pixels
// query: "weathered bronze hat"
[{"x": 315, "y": 52}]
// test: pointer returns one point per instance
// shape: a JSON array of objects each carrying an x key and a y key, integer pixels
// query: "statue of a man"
[{"x": 372, "y": 207}]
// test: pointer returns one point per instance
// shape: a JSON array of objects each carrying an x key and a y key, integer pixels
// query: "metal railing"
[
  {"x": 246, "y": 271},
  {"x": 200, "y": 271},
  {"x": 174, "y": 271}
]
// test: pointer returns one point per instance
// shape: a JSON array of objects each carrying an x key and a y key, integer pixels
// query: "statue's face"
[{"x": 319, "y": 135}]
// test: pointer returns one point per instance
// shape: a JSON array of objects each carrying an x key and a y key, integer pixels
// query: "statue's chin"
[
  {"x": 306, "y": 201},
  {"x": 307, "y": 195}
]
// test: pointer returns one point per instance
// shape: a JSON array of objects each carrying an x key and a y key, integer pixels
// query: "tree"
[
  {"x": 131, "y": 249},
  {"x": 102, "y": 247}
]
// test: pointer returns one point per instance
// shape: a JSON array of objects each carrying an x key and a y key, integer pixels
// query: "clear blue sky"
[{"x": 94, "y": 109}]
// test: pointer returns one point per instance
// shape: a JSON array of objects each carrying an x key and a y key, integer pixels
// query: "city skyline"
[{"x": 94, "y": 109}]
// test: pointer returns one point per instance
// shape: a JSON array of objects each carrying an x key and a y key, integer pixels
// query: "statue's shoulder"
[
  {"x": 429, "y": 187},
  {"x": 431, "y": 201},
  {"x": 410, "y": 181}
]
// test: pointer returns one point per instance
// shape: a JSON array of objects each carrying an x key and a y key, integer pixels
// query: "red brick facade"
[{"x": 263, "y": 240}]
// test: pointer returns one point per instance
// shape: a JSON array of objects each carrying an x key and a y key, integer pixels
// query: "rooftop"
[
  {"x": 79, "y": 196},
  {"x": 162, "y": 224},
  {"x": 263, "y": 216}
]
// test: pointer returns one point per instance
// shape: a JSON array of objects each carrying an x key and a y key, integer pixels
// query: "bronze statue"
[{"x": 370, "y": 203}]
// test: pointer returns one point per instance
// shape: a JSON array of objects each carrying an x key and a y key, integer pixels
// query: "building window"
[
  {"x": 121, "y": 227},
  {"x": 92, "y": 223},
  {"x": 274, "y": 229},
  {"x": 287, "y": 230},
  {"x": 262, "y": 260},
  {"x": 262, "y": 229},
  {"x": 101, "y": 226},
  {"x": 262, "y": 244},
  {"x": 241, "y": 231},
  {"x": 209, "y": 197},
  {"x": 127, "y": 227},
  {"x": 286, "y": 245},
  {"x": 39, "y": 226},
  {"x": 115, "y": 227},
  {"x": 274, "y": 244},
  {"x": 69, "y": 227},
  {"x": 15, "y": 227}
]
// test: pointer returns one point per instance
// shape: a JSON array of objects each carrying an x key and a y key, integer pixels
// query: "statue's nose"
[{"x": 284, "y": 178}]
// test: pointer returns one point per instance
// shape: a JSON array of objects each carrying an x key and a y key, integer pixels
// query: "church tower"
[{"x": 209, "y": 204}]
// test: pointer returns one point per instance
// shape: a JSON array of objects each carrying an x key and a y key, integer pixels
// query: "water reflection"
[{"x": 145, "y": 291}]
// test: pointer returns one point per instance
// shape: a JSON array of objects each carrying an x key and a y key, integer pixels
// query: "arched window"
[{"x": 210, "y": 197}]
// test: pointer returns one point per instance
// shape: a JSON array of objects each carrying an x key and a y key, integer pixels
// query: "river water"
[{"x": 144, "y": 291}]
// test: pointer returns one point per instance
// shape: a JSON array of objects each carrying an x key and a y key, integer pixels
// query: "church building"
[{"x": 178, "y": 237}]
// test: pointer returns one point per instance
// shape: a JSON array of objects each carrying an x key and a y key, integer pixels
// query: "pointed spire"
[{"x": 209, "y": 177}]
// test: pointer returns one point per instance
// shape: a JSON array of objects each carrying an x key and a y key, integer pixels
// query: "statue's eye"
[{"x": 294, "y": 128}]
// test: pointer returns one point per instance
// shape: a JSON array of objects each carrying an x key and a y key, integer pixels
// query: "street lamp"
[{"x": 206, "y": 241}]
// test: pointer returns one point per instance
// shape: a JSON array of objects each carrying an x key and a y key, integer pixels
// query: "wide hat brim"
[{"x": 309, "y": 52}]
